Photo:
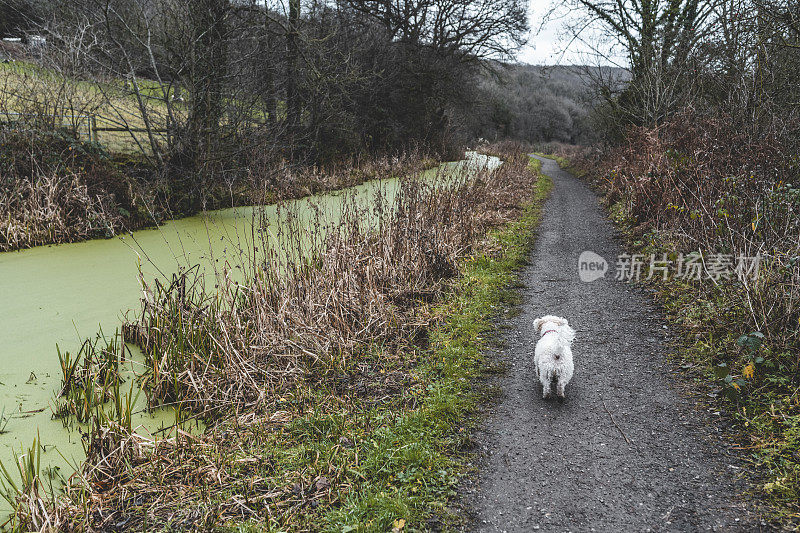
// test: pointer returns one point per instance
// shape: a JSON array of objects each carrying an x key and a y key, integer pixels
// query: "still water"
[{"x": 61, "y": 294}]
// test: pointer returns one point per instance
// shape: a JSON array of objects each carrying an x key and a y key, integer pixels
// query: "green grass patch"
[
  {"x": 393, "y": 463},
  {"x": 563, "y": 162}
]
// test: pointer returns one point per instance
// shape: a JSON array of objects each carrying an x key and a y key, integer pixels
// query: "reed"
[
  {"x": 316, "y": 298},
  {"x": 24, "y": 488},
  {"x": 90, "y": 378},
  {"x": 312, "y": 308},
  {"x": 52, "y": 207}
]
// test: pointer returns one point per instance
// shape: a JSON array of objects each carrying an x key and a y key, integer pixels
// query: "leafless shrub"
[{"x": 711, "y": 186}]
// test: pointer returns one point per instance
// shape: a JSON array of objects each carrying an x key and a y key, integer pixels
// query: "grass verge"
[
  {"x": 359, "y": 429},
  {"x": 412, "y": 466},
  {"x": 399, "y": 459},
  {"x": 563, "y": 162}
]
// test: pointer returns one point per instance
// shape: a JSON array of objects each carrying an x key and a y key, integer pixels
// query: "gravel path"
[{"x": 626, "y": 451}]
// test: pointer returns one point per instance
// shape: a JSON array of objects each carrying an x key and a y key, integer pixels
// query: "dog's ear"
[
  {"x": 537, "y": 324},
  {"x": 562, "y": 322}
]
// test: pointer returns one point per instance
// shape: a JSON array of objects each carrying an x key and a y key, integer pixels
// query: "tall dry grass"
[
  {"x": 307, "y": 309},
  {"x": 704, "y": 185},
  {"x": 55, "y": 188},
  {"x": 271, "y": 178},
  {"x": 53, "y": 207},
  {"x": 318, "y": 299}
]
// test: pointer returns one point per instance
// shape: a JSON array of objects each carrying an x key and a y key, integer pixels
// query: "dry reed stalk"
[
  {"x": 229, "y": 356},
  {"x": 52, "y": 207}
]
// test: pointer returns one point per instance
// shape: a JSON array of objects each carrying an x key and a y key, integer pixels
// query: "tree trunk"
[
  {"x": 269, "y": 73},
  {"x": 207, "y": 81},
  {"x": 292, "y": 74}
]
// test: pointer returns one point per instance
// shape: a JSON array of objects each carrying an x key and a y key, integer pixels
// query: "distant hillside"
[{"x": 541, "y": 103}]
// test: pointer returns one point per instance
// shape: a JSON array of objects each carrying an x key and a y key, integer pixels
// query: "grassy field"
[{"x": 31, "y": 92}]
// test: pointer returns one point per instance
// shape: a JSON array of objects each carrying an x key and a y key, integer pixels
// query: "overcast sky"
[{"x": 551, "y": 46}]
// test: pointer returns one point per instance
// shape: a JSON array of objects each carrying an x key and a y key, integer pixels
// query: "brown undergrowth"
[
  {"x": 56, "y": 188},
  {"x": 296, "y": 368},
  {"x": 700, "y": 185}
]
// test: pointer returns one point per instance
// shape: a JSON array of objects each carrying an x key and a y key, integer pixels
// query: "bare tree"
[
  {"x": 292, "y": 72},
  {"x": 468, "y": 30},
  {"x": 652, "y": 32},
  {"x": 659, "y": 38},
  {"x": 786, "y": 14},
  {"x": 202, "y": 88}
]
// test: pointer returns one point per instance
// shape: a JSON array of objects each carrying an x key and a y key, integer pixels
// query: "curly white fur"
[{"x": 553, "y": 355}]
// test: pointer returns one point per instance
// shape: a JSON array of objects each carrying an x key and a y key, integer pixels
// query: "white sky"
[{"x": 552, "y": 46}]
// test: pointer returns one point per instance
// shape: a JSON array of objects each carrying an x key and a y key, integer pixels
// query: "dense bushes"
[
  {"x": 26, "y": 152},
  {"x": 703, "y": 184},
  {"x": 673, "y": 175}
]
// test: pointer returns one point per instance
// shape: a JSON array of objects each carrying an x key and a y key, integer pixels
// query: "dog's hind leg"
[
  {"x": 546, "y": 384},
  {"x": 560, "y": 388}
]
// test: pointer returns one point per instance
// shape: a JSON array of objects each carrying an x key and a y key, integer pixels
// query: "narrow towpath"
[{"x": 626, "y": 452}]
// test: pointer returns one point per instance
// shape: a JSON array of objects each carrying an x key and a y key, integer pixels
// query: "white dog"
[{"x": 553, "y": 356}]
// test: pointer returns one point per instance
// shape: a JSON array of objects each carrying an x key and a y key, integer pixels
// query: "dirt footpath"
[{"x": 626, "y": 451}]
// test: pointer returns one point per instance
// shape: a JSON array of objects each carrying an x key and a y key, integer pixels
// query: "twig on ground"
[{"x": 615, "y": 423}]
